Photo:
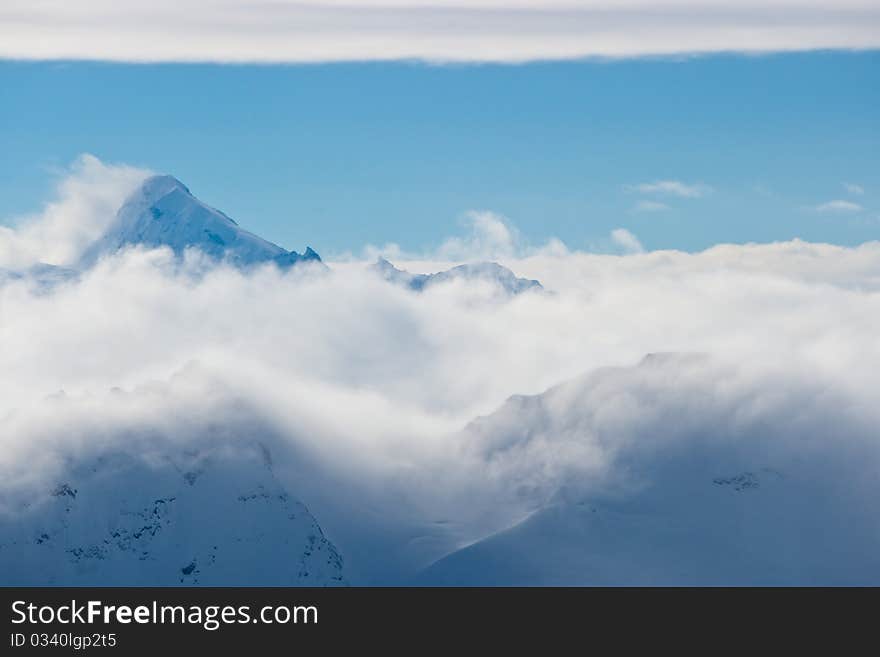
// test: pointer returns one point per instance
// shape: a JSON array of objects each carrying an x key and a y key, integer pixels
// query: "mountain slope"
[
  {"x": 490, "y": 272},
  {"x": 720, "y": 535},
  {"x": 207, "y": 517},
  {"x": 679, "y": 471},
  {"x": 163, "y": 212}
]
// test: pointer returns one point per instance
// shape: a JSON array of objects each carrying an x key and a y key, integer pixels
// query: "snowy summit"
[
  {"x": 163, "y": 212},
  {"x": 490, "y": 272}
]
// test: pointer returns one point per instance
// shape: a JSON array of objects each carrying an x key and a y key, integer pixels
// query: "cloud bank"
[
  {"x": 432, "y": 30},
  {"x": 363, "y": 389}
]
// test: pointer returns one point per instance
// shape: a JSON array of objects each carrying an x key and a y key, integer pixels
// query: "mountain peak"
[
  {"x": 490, "y": 272},
  {"x": 162, "y": 212},
  {"x": 155, "y": 187}
]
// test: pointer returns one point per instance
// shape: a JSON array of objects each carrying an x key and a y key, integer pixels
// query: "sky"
[
  {"x": 684, "y": 123},
  {"x": 684, "y": 154}
]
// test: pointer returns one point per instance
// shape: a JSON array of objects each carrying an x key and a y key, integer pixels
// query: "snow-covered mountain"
[
  {"x": 675, "y": 472},
  {"x": 163, "y": 212},
  {"x": 216, "y": 516},
  {"x": 490, "y": 272}
]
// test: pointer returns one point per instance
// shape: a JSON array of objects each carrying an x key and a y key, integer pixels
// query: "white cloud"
[
  {"x": 852, "y": 188},
  {"x": 650, "y": 206},
  {"x": 838, "y": 206},
  {"x": 487, "y": 236},
  {"x": 435, "y": 30},
  {"x": 626, "y": 241},
  {"x": 87, "y": 198},
  {"x": 362, "y": 388},
  {"x": 490, "y": 237},
  {"x": 671, "y": 188}
]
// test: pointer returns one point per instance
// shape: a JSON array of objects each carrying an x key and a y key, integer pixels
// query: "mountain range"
[
  {"x": 162, "y": 212},
  {"x": 622, "y": 481},
  {"x": 214, "y": 515},
  {"x": 615, "y": 478},
  {"x": 487, "y": 272}
]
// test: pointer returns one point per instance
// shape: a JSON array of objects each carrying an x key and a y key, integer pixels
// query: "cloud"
[
  {"x": 433, "y": 30},
  {"x": 650, "y": 206},
  {"x": 674, "y": 470},
  {"x": 626, "y": 241},
  {"x": 838, "y": 206},
  {"x": 852, "y": 188},
  {"x": 487, "y": 236},
  {"x": 490, "y": 236},
  {"x": 362, "y": 389},
  {"x": 671, "y": 188},
  {"x": 86, "y": 199}
]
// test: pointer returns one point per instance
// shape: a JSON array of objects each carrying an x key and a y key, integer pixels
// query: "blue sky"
[{"x": 340, "y": 155}]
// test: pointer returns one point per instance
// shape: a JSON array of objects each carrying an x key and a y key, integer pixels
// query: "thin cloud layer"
[
  {"x": 838, "y": 206},
  {"x": 432, "y": 30},
  {"x": 672, "y": 188},
  {"x": 650, "y": 206}
]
